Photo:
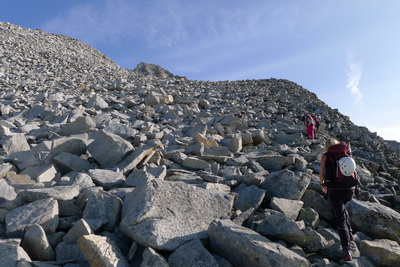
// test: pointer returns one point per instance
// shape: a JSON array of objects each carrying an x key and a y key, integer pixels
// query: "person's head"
[{"x": 330, "y": 142}]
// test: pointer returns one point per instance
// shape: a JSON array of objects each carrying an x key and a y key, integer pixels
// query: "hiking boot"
[{"x": 347, "y": 255}]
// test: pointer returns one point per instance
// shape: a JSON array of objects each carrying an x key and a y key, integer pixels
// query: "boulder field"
[{"x": 104, "y": 166}]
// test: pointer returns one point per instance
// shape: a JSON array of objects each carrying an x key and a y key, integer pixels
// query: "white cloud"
[{"x": 354, "y": 73}]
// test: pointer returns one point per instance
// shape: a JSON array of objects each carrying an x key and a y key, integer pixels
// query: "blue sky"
[{"x": 345, "y": 51}]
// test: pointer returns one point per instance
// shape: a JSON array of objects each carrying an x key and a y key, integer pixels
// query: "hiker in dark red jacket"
[
  {"x": 339, "y": 198},
  {"x": 310, "y": 126},
  {"x": 317, "y": 119}
]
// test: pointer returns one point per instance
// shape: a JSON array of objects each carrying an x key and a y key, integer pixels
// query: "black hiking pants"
[{"x": 339, "y": 199}]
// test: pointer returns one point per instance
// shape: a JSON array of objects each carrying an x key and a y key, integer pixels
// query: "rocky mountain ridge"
[{"x": 102, "y": 165}]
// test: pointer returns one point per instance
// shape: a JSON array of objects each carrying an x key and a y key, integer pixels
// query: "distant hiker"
[
  {"x": 317, "y": 119},
  {"x": 338, "y": 179},
  {"x": 303, "y": 118},
  {"x": 310, "y": 126}
]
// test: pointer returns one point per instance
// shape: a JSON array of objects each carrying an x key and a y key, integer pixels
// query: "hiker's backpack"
[
  {"x": 310, "y": 121},
  {"x": 340, "y": 168}
]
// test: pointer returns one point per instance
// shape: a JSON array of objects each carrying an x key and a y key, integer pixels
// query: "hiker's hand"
[{"x": 324, "y": 188}]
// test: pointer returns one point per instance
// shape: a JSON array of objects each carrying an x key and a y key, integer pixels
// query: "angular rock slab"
[
  {"x": 101, "y": 251},
  {"x": 7, "y": 192},
  {"x": 382, "y": 252},
  {"x": 11, "y": 253},
  {"x": 244, "y": 247},
  {"x": 62, "y": 192},
  {"x": 43, "y": 212},
  {"x": 136, "y": 157},
  {"x": 164, "y": 215}
]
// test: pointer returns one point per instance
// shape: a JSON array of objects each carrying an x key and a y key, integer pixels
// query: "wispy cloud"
[
  {"x": 169, "y": 23},
  {"x": 354, "y": 73},
  {"x": 104, "y": 21},
  {"x": 199, "y": 34}
]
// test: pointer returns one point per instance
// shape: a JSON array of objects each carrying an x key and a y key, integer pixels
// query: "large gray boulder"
[
  {"x": 109, "y": 149},
  {"x": 286, "y": 184},
  {"x": 66, "y": 252},
  {"x": 137, "y": 156},
  {"x": 382, "y": 252},
  {"x": 76, "y": 146},
  {"x": 67, "y": 162},
  {"x": 276, "y": 225},
  {"x": 317, "y": 202},
  {"x": 102, "y": 209},
  {"x": 43, "y": 212},
  {"x": 195, "y": 163},
  {"x": 164, "y": 215},
  {"x": 61, "y": 192},
  {"x": 290, "y": 208},
  {"x": 15, "y": 143},
  {"x": 375, "y": 220},
  {"x": 152, "y": 258},
  {"x": 196, "y": 129},
  {"x": 24, "y": 159},
  {"x": 96, "y": 102},
  {"x": 79, "y": 229},
  {"x": 272, "y": 163},
  {"x": 314, "y": 241},
  {"x": 35, "y": 243},
  {"x": 83, "y": 180},
  {"x": 244, "y": 247},
  {"x": 249, "y": 197},
  {"x": 11, "y": 252},
  {"x": 82, "y": 124},
  {"x": 122, "y": 130},
  {"x": 107, "y": 179},
  {"x": 7, "y": 192},
  {"x": 101, "y": 251},
  {"x": 283, "y": 138},
  {"x": 41, "y": 174},
  {"x": 192, "y": 253}
]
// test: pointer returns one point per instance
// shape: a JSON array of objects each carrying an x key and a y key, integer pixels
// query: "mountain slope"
[{"x": 96, "y": 133}]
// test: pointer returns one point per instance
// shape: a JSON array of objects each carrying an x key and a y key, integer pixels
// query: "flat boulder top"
[{"x": 170, "y": 213}]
